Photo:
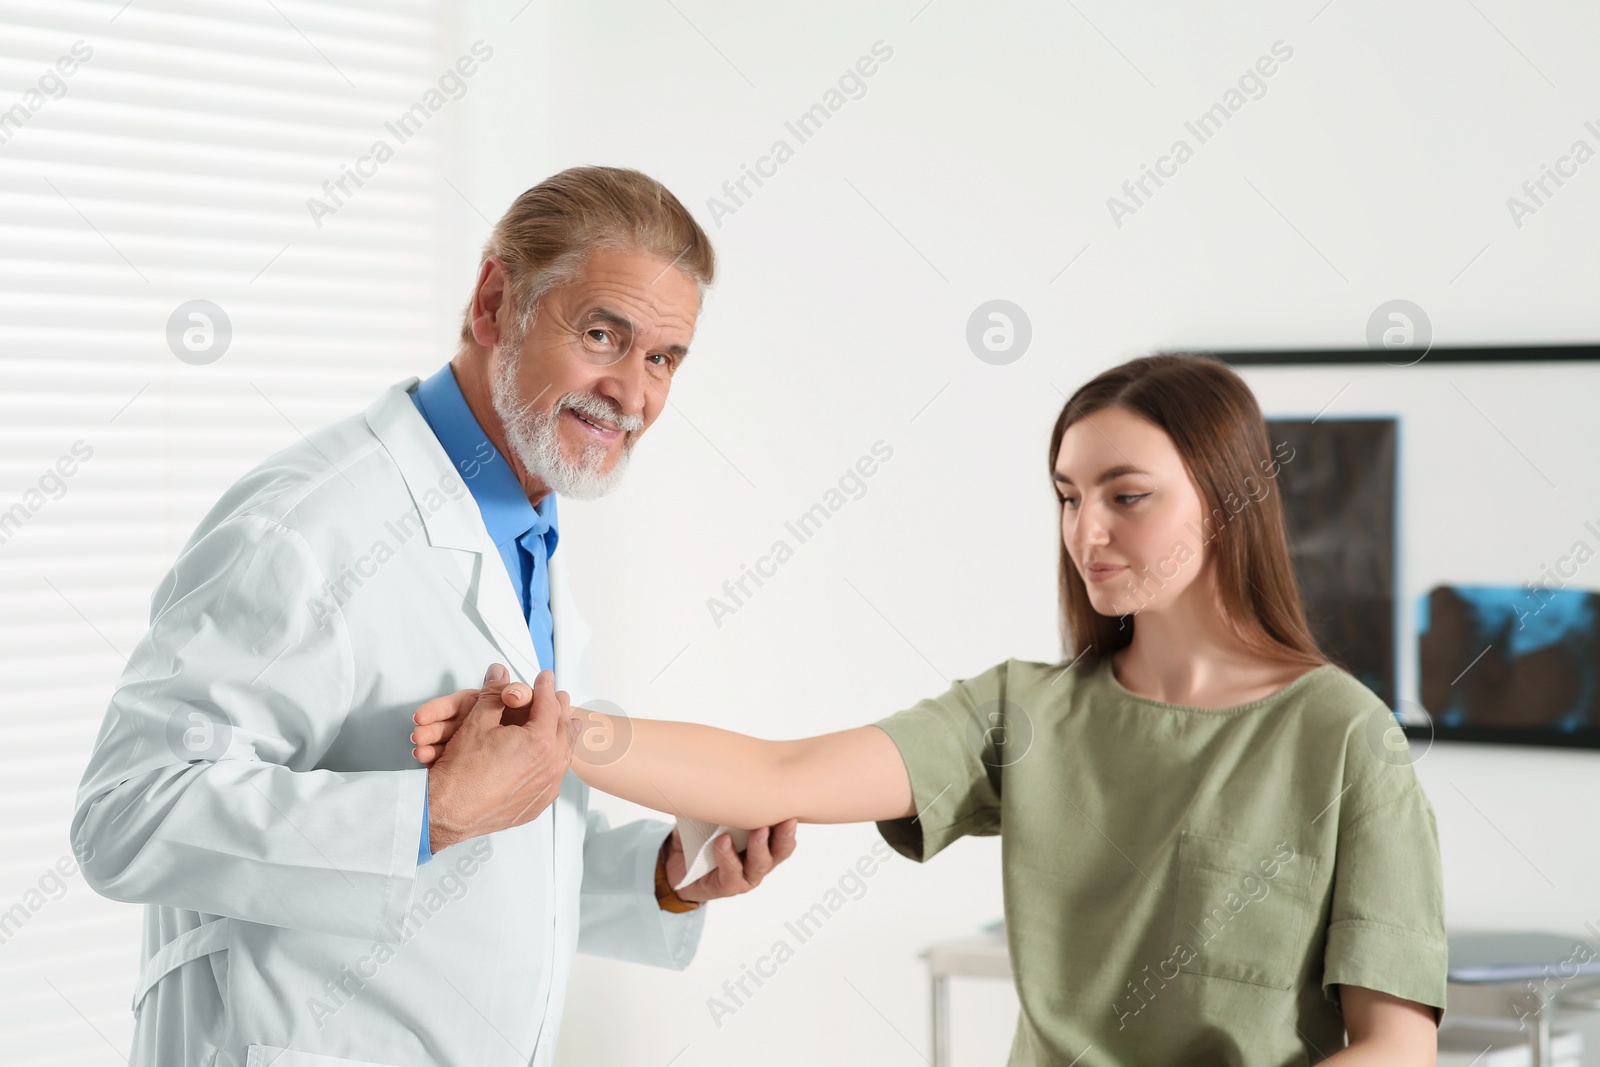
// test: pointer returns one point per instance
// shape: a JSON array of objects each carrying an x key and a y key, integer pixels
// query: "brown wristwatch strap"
[{"x": 667, "y": 898}]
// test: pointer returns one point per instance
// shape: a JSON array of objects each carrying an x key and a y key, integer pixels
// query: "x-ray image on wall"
[{"x": 1339, "y": 502}]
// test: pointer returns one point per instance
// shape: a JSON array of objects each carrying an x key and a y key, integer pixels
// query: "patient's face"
[
  {"x": 593, "y": 370},
  {"x": 1146, "y": 517}
]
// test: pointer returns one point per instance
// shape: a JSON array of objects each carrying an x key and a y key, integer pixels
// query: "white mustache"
[{"x": 599, "y": 408}]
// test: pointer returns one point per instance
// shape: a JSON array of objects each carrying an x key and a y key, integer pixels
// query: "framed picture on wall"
[{"x": 1443, "y": 516}]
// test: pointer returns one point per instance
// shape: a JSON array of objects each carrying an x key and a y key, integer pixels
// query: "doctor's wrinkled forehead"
[{"x": 549, "y": 231}]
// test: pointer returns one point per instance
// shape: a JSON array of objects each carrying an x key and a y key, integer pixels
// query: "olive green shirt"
[{"x": 1184, "y": 885}]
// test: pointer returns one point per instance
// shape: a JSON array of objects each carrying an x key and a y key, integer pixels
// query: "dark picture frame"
[{"x": 1345, "y": 518}]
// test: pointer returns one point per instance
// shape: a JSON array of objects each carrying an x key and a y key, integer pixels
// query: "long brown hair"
[{"x": 1215, "y": 424}]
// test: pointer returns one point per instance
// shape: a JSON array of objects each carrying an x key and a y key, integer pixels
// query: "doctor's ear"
[{"x": 491, "y": 307}]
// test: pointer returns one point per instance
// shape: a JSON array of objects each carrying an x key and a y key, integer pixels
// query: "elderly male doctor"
[{"x": 315, "y": 895}]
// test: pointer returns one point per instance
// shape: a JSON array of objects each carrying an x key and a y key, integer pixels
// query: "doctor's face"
[
  {"x": 1129, "y": 512},
  {"x": 593, "y": 370}
]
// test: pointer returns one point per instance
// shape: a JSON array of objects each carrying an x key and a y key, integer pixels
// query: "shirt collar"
[{"x": 507, "y": 514}]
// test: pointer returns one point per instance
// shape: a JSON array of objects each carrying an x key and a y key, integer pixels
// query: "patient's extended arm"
[
  {"x": 719, "y": 776},
  {"x": 703, "y": 772}
]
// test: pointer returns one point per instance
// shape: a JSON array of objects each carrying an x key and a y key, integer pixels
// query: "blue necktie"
[{"x": 533, "y": 553}]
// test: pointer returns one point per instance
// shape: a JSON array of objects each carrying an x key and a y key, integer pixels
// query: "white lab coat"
[{"x": 253, "y": 785}]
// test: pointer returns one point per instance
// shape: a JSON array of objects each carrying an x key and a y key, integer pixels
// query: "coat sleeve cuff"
[{"x": 619, "y": 916}]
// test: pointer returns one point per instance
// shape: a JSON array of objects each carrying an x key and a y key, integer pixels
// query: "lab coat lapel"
[
  {"x": 498, "y": 613},
  {"x": 455, "y": 525},
  {"x": 571, "y": 633}
]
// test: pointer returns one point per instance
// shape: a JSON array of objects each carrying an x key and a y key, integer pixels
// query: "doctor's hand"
[
  {"x": 765, "y": 849},
  {"x": 499, "y": 767},
  {"x": 439, "y": 719}
]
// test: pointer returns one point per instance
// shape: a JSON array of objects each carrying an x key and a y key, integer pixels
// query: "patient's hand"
[{"x": 438, "y": 719}]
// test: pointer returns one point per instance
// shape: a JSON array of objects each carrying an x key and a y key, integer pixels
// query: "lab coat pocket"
[
  {"x": 1241, "y": 908},
  {"x": 272, "y": 1056}
]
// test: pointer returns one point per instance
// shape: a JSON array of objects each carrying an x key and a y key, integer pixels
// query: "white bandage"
[{"x": 697, "y": 837}]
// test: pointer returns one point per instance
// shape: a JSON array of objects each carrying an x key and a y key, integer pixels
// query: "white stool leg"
[{"x": 941, "y": 1021}]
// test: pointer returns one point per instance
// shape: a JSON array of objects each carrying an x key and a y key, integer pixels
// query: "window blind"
[{"x": 190, "y": 279}]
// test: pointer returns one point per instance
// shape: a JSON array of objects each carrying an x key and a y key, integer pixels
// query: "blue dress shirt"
[{"x": 526, "y": 536}]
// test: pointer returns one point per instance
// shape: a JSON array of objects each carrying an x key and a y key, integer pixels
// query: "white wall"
[{"x": 977, "y": 166}]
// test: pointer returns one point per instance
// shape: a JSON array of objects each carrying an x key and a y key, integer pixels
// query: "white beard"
[{"x": 535, "y": 436}]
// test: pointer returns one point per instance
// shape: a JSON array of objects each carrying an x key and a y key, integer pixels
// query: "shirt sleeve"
[
  {"x": 953, "y": 746},
  {"x": 424, "y": 854},
  {"x": 1386, "y": 927}
]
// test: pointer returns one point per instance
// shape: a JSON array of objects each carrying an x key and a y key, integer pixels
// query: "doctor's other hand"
[
  {"x": 765, "y": 849},
  {"x": 500, "y": 767}
]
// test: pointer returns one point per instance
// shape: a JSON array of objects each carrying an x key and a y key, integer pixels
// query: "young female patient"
[{"x": 1215, "y": 850}]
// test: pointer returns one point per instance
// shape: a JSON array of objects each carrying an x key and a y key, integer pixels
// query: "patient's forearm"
[{"x": 703, "y": 772}]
